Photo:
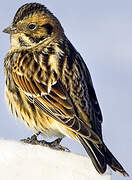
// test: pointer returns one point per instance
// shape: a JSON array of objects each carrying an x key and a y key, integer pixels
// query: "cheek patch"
[{"x": 48, "y": 27}]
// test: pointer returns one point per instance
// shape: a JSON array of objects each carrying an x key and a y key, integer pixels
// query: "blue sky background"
[{"x": 102, "y": 32}]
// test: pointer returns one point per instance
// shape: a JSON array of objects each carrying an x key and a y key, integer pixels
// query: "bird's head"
[{"x": 33, "y": 24}]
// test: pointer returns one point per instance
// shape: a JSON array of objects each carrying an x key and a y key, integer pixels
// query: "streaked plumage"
[{"x": 49, "y": 86}]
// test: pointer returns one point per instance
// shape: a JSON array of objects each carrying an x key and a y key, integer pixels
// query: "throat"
[{"x": 19, "y": 42}]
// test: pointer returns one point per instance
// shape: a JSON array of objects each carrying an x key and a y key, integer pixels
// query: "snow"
[{"x": 19, "y": 161}]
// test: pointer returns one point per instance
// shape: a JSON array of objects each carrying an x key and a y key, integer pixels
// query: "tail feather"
[
  {"x": 95, "y": 154},
  {"x": 101, "y": 156},
  {"x": 113, "y": 163}
]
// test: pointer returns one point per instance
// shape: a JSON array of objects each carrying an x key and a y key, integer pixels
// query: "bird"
[{"x": 49, "y": 87}]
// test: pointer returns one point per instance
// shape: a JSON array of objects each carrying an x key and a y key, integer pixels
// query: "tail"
[
  {"x": 101, "y": 156},
  {"x": 113, "y": 163}
]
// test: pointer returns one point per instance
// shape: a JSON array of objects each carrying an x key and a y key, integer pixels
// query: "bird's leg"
[{"x": 31, "y": 140}]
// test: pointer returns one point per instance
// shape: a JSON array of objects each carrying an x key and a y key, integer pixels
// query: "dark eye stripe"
[{"x": 48, "y": 27}]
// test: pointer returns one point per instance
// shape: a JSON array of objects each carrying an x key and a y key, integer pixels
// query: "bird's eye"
[{"x": 32, "y": 26}]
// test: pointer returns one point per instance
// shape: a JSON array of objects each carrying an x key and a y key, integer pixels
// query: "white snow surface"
[{"x": 19, "y": 161}]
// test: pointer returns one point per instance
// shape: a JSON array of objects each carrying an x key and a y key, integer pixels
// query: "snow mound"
[{"x": 19, "y": 161}]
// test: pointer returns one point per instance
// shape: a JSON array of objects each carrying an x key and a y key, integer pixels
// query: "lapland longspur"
[{"x": 49, "y": 86}]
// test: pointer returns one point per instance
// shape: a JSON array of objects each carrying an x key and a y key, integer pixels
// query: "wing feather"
[{"x": 57, "y": 103}]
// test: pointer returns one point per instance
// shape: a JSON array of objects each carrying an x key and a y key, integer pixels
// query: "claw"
[
  {"x": 53, "y": 145},
  {"x": 56, "y": 144},
  {"x": 31, "y": 140}
]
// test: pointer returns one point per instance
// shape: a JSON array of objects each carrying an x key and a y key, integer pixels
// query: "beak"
[{"x": 9, "y": 30}]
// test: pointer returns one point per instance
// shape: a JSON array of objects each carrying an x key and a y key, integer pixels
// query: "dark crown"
[{"x": 29, "y": 9}]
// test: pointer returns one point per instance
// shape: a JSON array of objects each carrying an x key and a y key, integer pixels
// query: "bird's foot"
[
  {"x": 31, "y": 140},
  {"x": 56, "y": 145},
  {"x": 53, "y": 145}
]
